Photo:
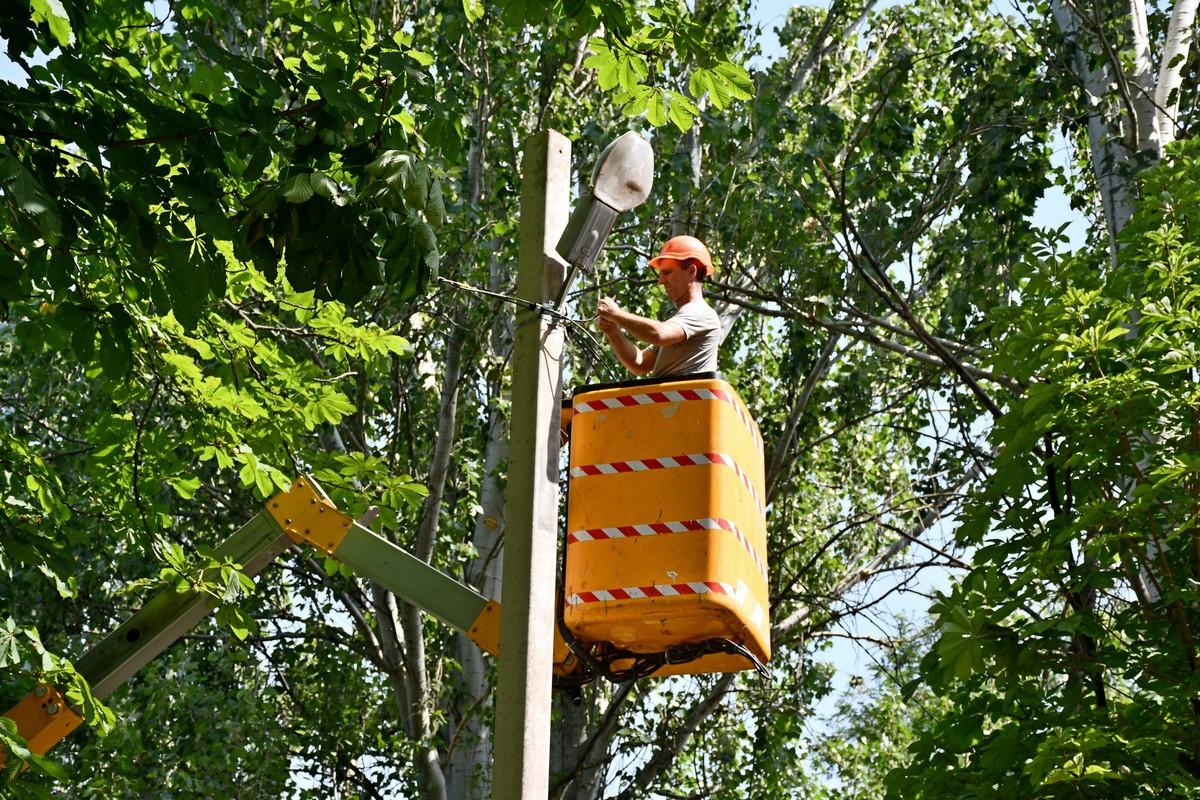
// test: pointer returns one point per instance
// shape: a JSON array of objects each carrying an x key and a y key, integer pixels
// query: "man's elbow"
[{"x": 642, "y": 362}]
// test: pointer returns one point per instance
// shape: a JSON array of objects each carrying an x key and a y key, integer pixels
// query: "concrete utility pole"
[{"x": 522, "y": 734}]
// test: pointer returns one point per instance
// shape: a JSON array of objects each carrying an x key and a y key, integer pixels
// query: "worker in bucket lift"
[{"x": 684, "y": 344}]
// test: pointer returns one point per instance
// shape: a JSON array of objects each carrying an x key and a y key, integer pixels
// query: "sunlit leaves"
[
  {"x": 357, "y": 481},
  {"x": 332, "y": 407},
  {"x": 473, "y": 9},
  {"x": 615, "y": 67},
  {"x": 55, "y": 16},
  {"x": 625, "y": 71},
  {"x": 1089, "y": 513},
  {"x": 9, "y": 651},
  {"x": 723, "y": 84},
  {"x": 186, "y": 487}
]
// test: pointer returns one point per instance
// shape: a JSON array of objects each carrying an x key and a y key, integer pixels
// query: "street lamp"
[{"x": 621, "y": 180}]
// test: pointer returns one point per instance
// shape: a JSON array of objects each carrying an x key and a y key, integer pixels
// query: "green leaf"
[
  {"x": 27, "y": 195},
  {"x": 683, "y": 111},
  {"x": 332, "y": 406},
  {"x": 602, "y": 59},
  {"x": 233, "y": 618},
  {"x": 427, "y": 240},
  {"x": 325, "y": 186},
  {"x": 387, "y": 162},
  {"x": 67, "y": 589},
  {"x": 172, "y": 553},
  {"x": 54, "y": 14},
  {"x": 473, "y": 9},
  {"x": 435, "y": 209},
  {"x": 416, "y": 186},
  {"x": 700, "y": 82},
  {"x": 116, "y": 358},
  {"x": 737, "y": 81},
  {"x": 10, "y": 653},
  {"x": 298, "y": 189},
  {"x": 47, "y": 766},
  {"x": 186, "y": 487},
  {"x": 656, "y": 110},
  {"x": 83, "y": 341},
  {"x": 424, "y": 59}
]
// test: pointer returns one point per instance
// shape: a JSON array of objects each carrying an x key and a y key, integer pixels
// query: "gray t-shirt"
[{"x": 696, "y": 353}]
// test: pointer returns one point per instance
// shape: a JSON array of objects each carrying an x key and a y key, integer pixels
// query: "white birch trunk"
[
  {"x": 1180, "y": 32},
  {"x": 471, "y": 759},
  {"x": 428, "y": 761},
  {"x": 579, "y": 756},
  {"x": 419, "y": 697},
  {"x": 1105, "y": 129},
  {"x": 1141, "y": 82}
]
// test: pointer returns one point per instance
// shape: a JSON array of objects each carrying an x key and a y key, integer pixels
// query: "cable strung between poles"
[{"x": 574, "y": 329}]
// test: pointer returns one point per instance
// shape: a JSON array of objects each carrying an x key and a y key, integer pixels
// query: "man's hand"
[
  {"x": 607, "y": 309},
  {"x": 611, "y": 319},
  {"x": 607, "y": 312}
]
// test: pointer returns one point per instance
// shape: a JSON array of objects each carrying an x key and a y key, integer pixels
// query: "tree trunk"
[
  {"x": 427, "y": 534},
  {"x": 1170, "y": 74},
  {"x": 1106, "y": 134},
  {"x": 581, "y": 741},
  {"x": 1141, "y": 82},
  {"x": 471, "y": 759}
]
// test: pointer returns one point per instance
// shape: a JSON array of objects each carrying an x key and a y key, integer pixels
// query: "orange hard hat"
[{"x": 684, "y": 248}]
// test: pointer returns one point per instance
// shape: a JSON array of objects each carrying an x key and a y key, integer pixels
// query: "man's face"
[{"x": 675, "y": 278}]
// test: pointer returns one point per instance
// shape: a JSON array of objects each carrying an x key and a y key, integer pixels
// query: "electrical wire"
[{"x": 594, "y": 353}]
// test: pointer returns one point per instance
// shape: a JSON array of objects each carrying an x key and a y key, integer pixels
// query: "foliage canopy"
[{"x": 224, "y": 224}]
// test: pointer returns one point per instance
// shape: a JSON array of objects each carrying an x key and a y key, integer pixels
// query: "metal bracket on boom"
[
  {"x": 485, "y": 630},
  {"x": 43, "y": 718},
  {"x": 306, "y": 514}
]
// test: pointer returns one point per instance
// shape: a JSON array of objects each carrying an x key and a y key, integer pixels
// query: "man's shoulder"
[
  {"x": 697, "y": 308},
  {"x": 697, "y": 311}
]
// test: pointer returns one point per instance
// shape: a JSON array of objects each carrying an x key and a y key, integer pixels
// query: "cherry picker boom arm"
[{"x": 305, "y": 515}]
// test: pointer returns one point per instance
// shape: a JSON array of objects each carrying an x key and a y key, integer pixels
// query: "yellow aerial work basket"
[{"x": 666, "y": 567}]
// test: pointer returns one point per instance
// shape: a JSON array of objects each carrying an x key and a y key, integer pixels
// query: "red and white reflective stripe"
[
  {"x": 657, "y": 590},
  {"x": 657, "y": 528},
  {"x": 649, "y": 398},
  {"x": 693, "y": 460}
]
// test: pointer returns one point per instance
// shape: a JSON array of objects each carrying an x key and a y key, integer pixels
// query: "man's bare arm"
[
  {"x": 637, "y": 360},
  {"x": 641, "y": 328}
]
